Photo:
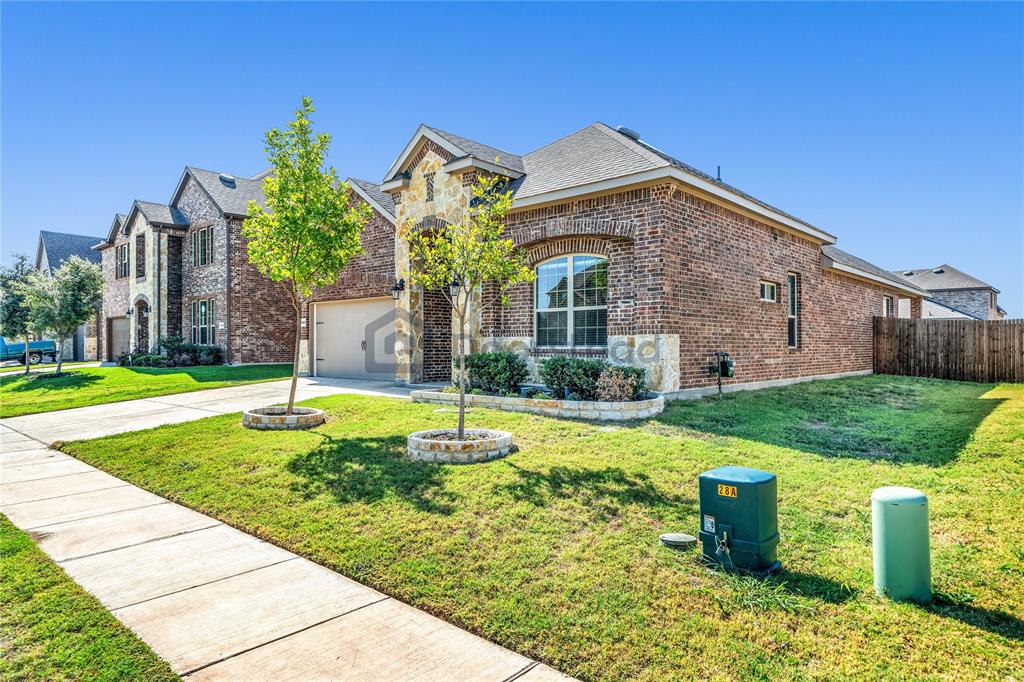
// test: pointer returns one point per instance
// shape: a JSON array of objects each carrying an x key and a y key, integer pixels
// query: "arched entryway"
[{"x": 141, "y": 326}]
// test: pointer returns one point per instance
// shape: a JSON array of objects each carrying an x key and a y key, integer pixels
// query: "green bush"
[
  {"x": 619, "y": 384},
  {"x": 497, "y": 373},
  {"x": 577, "y": 378},
  {"x": 176, "y": 353}
]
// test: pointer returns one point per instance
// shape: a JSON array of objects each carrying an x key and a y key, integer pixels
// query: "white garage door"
[{"x": 355, "y": 339}]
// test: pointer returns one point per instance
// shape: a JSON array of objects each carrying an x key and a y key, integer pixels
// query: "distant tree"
[
  {"x": 461, "y": 256},
  {"x": 14, "y": 312},
  {"x": 59, "y": 304},
  {"x": 310, "y": 227}
]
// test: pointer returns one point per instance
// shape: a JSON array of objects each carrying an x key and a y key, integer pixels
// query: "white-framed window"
[
  {"x": 888, "y": 307},
  {"x": 571, "y": 302},
  {"x": 793, "y": 310},
  {"x": 204, "y": 321},
  {"x": 769, "y": 292},
  {"x": 121, "y": 263},
  {"x": 202, "y": 246}
]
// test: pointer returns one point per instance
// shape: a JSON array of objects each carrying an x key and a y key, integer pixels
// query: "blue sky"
[{"x": 899, "y": 128}]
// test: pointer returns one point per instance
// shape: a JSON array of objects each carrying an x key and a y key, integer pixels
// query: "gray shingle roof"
[
  {"x": 60, "y": 246},
  {"x": 161, "y": 213},
  {"x": 373, "y": 190},
  {"x": 482, "y": 151},
  {"x": 948, "y": 278},
  {"x": 840, "y": 256},
  {"x": 230, "y": 196}
]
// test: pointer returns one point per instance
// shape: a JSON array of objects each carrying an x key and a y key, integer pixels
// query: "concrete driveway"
[{"x": 134, "y": 415}]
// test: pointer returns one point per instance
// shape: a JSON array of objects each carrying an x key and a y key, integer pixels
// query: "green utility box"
[
  {"x": 739, "y": 525},
  {"x": 899, "y": 534}
]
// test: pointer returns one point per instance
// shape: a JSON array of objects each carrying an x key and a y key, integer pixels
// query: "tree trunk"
[
  {"x": 60, "y": 353},
  {"x": 25, "y": 355},
  {"x": 295, "y": 358},
  {"x": 462, "y": 377}
]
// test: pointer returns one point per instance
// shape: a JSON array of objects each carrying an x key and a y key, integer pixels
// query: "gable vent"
[{"x": 629, "y": 132}]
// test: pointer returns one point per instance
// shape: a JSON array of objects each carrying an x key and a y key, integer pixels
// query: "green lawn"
[
  {"x": 45, "y": 367},
  {"x": 51, "y": 629},
  {"x": 554, "y": 550},
  {"x": 95, "y": 385}
]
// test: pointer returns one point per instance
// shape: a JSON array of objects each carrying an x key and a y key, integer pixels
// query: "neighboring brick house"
[
  {"x": 53, "y": 249},
  {"x": 954, "y": 293},
  {"x": 182, "y": 268},
  {"x": 643, "y": 260}
]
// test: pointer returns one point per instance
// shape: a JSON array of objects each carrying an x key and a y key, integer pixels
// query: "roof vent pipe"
[{"x": 629, "y": 132}]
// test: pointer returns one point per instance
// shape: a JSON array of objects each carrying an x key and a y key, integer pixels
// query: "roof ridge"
[
  {"x": 447, "y": 135},
  {"x": 636, "y": 146}
]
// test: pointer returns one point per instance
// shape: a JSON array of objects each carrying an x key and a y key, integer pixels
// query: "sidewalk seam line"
[
  {"x": 278, "y": 639},
  {"x": 527, "y": 668},
  {"x": 57, "y": 497},
  {"x": 50, "y": 478},
  {"x": 138, "y": 544},
  {"x": 192, "y": 587},
  {"x": 96, "y": 516}
]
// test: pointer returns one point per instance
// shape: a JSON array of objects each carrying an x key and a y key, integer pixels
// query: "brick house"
[
  {"x": 954, "y": 293},
  {"x": 182, "y": 268},
  {"x": 53, "y": 249},
  {"x": 643, "y": 260},
  {"x": 640, "y": 259}
]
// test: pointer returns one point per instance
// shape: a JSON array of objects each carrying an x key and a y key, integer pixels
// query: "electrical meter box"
[{"x": 739, "y": 526}]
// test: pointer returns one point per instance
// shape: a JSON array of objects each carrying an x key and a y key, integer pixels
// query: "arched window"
[{"x": 572, "y": 302}]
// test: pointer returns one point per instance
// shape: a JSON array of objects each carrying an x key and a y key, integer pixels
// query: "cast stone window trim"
[
  {"x": 204, "y": 321},
  {"x": 571, "y": 302},
  {"x": 769, "y": 292}
]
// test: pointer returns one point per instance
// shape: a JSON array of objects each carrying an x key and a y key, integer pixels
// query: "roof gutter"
[{"x": 830, "y": 264}]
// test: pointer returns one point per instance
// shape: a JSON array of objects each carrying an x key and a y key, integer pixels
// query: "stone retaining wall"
[{"x": 571, "y": 409}]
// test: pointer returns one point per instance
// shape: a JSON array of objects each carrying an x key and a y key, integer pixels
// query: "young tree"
[
  {"x": 460, "y": 257},
  {"x": 14, "y": 312},
  {"x": 310, "y": 227},
  {"x": 59, "y": 304}
]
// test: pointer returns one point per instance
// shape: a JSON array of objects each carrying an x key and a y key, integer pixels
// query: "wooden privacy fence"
[{"x": 960, "y": 349}]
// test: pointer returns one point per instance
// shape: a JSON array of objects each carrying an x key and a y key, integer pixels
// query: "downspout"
[{"x": 227, "y": 293}]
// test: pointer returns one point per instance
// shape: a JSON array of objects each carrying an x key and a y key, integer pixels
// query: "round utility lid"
[{"x": 677, "y": 539}]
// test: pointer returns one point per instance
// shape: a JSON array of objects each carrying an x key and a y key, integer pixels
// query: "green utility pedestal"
[{"x": 899, "y": 518}]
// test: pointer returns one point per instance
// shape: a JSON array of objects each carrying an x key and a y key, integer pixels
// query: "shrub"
[
  {"x": 497, "y": 373},
  {"x": 580, "y": 379},
  {"x": 176, "y": 353},
  {"x": 619, "y": 384},
  {"x": 211, "y": 355},
  {"x": 572, "y": 378}
]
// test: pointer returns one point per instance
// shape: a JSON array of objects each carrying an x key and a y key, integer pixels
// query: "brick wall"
[
  {"x": 174, "y": 286},
  {"x": 437, "y": 336},
  {"x": 682, "y": 265},
  {"x": 203, "y": 281},
  {"x": 976, "y": 302},
  {"x": 115, "y": 295}
]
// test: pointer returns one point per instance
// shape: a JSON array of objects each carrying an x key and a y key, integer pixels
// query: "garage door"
[
  {"x": 118, "y": 337},
  {"x": 355, "y": 339}
]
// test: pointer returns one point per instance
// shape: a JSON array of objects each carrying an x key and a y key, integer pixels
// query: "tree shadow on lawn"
[
  {"x": 901, "y": 420},
  {"x": 370, "y": 470},
  {"x": 45, "y": 381},
  {"x": 605, "y": 490},
  {"x": 207, "y": 373}
]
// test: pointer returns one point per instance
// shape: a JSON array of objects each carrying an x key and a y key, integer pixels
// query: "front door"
[{"x": 118, "y": 334}]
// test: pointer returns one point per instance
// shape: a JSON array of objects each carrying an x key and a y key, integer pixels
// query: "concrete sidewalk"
[
  {"x": 214, "y": 602},
  {"x": 134, "y": 415}
]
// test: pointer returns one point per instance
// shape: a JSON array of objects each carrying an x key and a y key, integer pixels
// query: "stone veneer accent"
[
  {"x": 275, "y": 419},
  {"x": 570, "y": 409},
  {"x": 422, "y": 446}
]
